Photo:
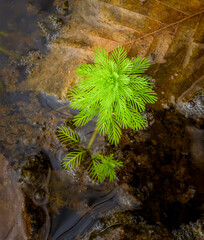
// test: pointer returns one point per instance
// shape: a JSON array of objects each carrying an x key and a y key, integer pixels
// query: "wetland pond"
[{"x": 159, "y": 192}]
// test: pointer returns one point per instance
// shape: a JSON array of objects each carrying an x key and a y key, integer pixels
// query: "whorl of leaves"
[
  {"x": 103, "y": 167},
  {"x": 114, "y": 90}
]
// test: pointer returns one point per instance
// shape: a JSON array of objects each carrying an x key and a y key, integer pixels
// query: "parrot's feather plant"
[
  {"x": 113, "y": 89},
  {"x": 99, "y": 167},
  {"x": 70, "y": 137},
  {"x": 102, "y": 167},
  {"x": 67, "y": 135},
  {"x": 73, "y": 159}
]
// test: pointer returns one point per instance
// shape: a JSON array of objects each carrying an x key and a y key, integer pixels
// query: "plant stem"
[{"x": 92, "y": 138}]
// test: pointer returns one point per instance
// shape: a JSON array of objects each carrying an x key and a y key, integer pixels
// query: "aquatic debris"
[
  {"x": 46, "y": 31},
  {"x": 5, "y": 51},
  {"x": 191, "y": 102},
  {"x": 53, "y": 23},
  {"x": 1, "y": 87},
  {"x": 4, "y": 34},
  {"x": 131, "y": 225},
  {"x": 63, "y": 8},
  {"x": 127, "y": 200},
  {"x": 119, "y": 218},
  {"x": 191, "y": 231},
  {"x": 56, "y": 21},
  {"x": 30, "y": 60}
]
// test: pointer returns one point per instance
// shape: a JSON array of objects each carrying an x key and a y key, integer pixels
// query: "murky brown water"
[{"x": 160, "y": 186}]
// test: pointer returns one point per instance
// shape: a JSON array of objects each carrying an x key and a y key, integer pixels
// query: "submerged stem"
[{"x": 92, "y": 138}]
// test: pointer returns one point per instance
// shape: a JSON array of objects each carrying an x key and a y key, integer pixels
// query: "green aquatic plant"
[
  {"x": 100, "y": 167},
  {"x": 70, "y": 137},
  {"x": 73, "y": 159},
  {"x": 113, "y": 89},
  {"x": 103, "y": 167},
  {"x": 67, "y": 135}
]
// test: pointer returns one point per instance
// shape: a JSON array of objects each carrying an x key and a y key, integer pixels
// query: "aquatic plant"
[
  {"x": 103, "y": 167},
  {"x": 70, "y": 137},
  {"x": 100, "y": 167},
  {"x": 73, "y": 159},
  {"x": 113, "y": 89},
  {"x": 67, "y": 135}
]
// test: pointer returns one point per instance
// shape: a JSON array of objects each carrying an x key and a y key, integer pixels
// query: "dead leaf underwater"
[{"x": 170, "y": 33}]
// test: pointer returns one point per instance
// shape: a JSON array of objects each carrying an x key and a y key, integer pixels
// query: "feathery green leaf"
[
  {"x": 103, "y": 167},
  {"x": 72, "y": 159},
  {"x": 67, "y": 135}
]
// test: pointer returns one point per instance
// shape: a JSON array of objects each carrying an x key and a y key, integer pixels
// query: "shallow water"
[
  {"x": 162, "y": 180},
  {"x": 30, "y": 147}
]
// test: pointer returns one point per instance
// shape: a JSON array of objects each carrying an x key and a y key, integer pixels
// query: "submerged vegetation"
[
  {"x": 103, "y": 166},
  {"x": 98, "y": 168},
  {"x": 113, "y": 89}
]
